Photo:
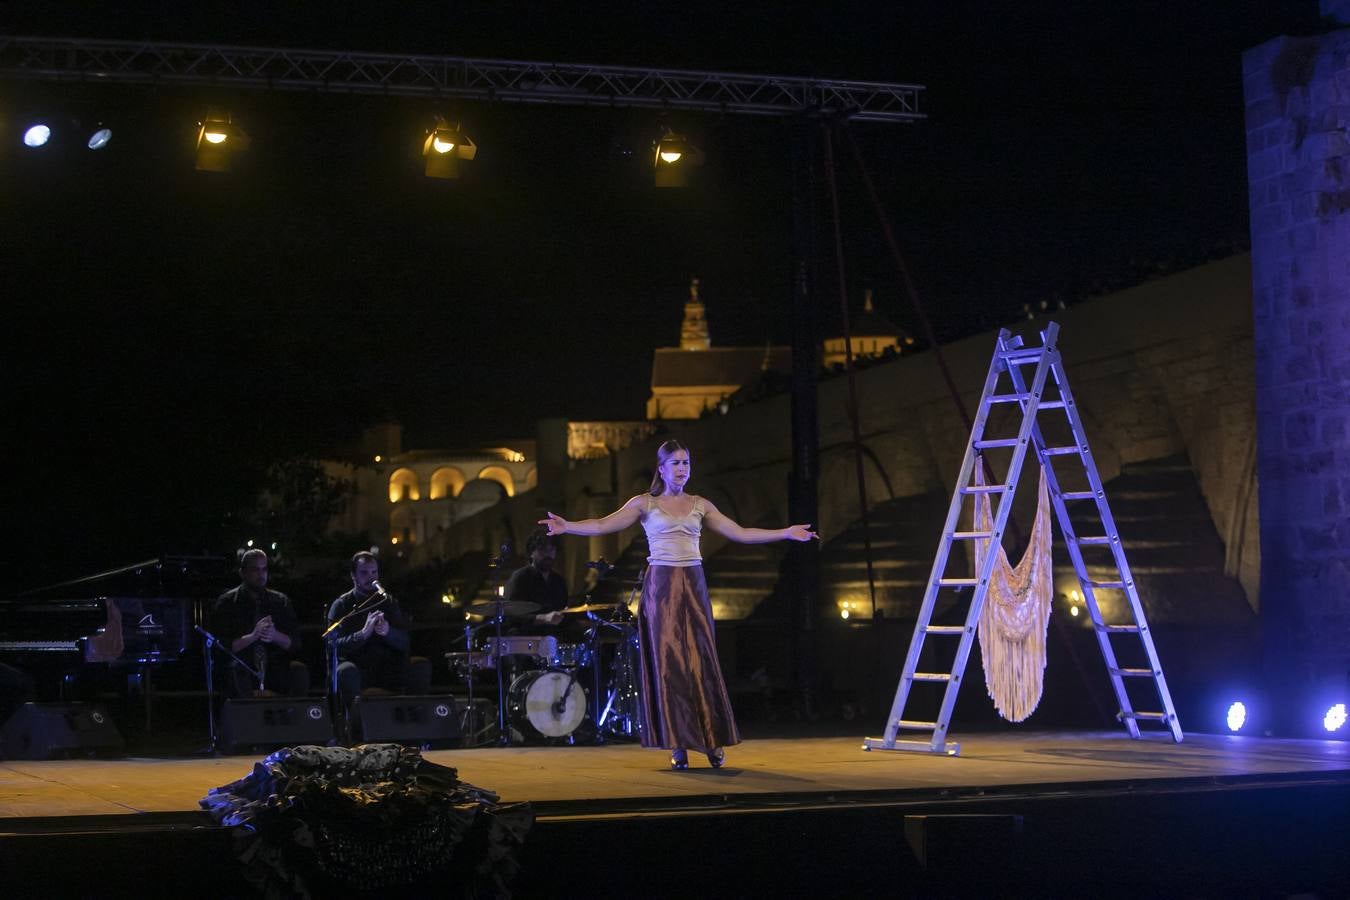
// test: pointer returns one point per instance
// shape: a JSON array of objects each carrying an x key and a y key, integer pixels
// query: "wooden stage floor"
[{"x": 625, "y": 780}]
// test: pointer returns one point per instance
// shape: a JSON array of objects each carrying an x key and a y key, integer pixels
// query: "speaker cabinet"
[
  {"x": 275, "y": 721},
  {"x": 430, "y": 720},
  {"x": 53, "y": 730}
]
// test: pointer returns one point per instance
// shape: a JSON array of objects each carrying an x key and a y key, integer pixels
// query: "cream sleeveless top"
[{"x": 673, "y": 540}]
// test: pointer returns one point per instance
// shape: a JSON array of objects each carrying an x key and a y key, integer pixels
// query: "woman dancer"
[{"x": 684, "y": 699}]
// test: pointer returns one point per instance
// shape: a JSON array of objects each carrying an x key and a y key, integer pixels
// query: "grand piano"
[{"x": 132, "y": 619}]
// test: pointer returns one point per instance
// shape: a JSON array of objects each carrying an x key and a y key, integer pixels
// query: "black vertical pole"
[{"x": 803, "y": 479}]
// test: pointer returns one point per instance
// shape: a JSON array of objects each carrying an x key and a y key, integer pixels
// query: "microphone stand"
[
  {"x": 213, "y": 643},
  {"x": 499, "y": 597}
]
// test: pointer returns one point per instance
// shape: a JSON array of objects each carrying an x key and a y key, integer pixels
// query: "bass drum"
[{"x": 546, "y": 704}]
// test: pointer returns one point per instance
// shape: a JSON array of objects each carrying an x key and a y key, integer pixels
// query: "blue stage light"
[
  {"x": 36, "y": 136},
  {"x": 1237, "y": 716},
  {"x": 1334, "y": 720},
  {"x": 99, "y": 139}
]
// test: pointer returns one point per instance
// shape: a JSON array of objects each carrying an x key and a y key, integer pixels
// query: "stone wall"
[
  {"x": 1159, "y": 370},
  {"x": 1298, "y": 149}
]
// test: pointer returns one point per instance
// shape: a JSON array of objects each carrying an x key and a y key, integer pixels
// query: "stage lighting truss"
[
  {"x": 672, "y": 158},
  {"x": 445, "y": 145},
  {"x": 218, "y": 138}
]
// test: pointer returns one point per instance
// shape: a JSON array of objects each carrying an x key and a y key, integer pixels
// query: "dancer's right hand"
[{"x": 556, "y": 524}]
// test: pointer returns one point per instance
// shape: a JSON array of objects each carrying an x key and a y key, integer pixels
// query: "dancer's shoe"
[
  {"x": 679, "y": 759},
  {"x": 716, "y": 757}
]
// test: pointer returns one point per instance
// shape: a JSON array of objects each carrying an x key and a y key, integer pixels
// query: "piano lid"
[{"x": 180, "y": 576}]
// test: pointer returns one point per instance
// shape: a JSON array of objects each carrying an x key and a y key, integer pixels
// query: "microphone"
[{"x": 379, "y": 588}]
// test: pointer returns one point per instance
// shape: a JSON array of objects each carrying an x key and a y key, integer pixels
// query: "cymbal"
[
  {"x": 505, "y": 607},
  {"x": 591, "y": 607}
]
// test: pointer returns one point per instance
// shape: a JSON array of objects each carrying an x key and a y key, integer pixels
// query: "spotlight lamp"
[
  {"x": 37, "y": 135},
  {"x": 445, "y": 145},
  {"x": 217, "y": 139},
  {"x": 672, "y": 158},
  {"x": 99, "y": 137}
]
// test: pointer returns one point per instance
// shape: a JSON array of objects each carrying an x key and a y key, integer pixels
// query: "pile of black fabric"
[{"x": 319, "y": 821}]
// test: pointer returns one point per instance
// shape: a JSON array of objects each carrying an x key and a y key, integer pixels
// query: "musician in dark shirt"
[
  {"x": 262, "y": 630},
  {"x": 373, "y": 646},
  {"x": 538, "y": 583}
]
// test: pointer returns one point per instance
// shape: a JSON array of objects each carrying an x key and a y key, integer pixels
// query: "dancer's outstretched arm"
[
  {"x": 621, "y": 518},
  {"x": 741, "y": 535}
]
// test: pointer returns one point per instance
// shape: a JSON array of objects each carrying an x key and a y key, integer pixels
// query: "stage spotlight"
[
  {"x": 99, "y": 139},
  {"x": 1237, "y": 716},
  {"x": 444, "y": 147},
  {"x": 1334, "y": 720},
  {"x": 672, "y": 158},
  {"x": 217, "y": 138},
  {"x": 37, "y": 136}
]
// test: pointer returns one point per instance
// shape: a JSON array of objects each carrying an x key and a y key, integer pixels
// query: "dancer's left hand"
[{"x": 801, "y": 533}]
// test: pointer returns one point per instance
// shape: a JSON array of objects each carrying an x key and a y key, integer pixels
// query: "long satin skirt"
[{"x": 684, "y": 699}]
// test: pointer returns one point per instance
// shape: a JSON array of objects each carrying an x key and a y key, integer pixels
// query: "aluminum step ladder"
[{"x": 1009, "y": 358}]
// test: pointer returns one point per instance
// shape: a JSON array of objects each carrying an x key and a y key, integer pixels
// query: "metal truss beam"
[{"x": 567, "y": 84}]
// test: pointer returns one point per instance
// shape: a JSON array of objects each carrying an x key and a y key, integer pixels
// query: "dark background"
[{"x": 171, "y": 332}]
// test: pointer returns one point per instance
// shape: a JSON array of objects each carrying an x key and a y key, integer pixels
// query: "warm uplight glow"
[
  {"x": 214, "y": 137},
  {"x": 843, "y": 613},
  {"x": 403, "y": 485},
  {"x": 671, "y": 156},
  {"x": 393, "y": 540},
  {"x": 36, "y": 136},
  {"x": 441, "y": 144},
  {"x": 1335, "y": 718},
  {"x": 378, "y": 457},
  {"x": 446, "y": 598},
  {"x": 1237, "y": 716},
  {"x": 1073, "y": 611}
]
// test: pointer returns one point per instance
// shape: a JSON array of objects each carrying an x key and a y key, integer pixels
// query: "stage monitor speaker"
[
  {"x": 275, "y": 722},
  {"x": 430, "y": 720},
  {"x": 52, "y": 730}
]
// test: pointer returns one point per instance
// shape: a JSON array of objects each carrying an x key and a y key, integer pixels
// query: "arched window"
[
  {"x": 532, "y": 479},
  {"x": 402, "y": 526},
  {"x": 447, "y": 481},
  {"x": 403, "y": 486},
  {"x": 501, "y": 476}
]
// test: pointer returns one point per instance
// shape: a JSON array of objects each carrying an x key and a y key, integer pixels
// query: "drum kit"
[{"x": 549, "y": 690}]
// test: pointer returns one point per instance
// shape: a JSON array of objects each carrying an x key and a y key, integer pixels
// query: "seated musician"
[
  {"x": 373, "y": 645},
  {"x": 260, "y": 627},
  {"x": 539, "y": 584}
]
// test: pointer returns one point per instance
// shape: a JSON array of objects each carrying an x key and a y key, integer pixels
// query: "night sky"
[{"x": 173, "y": 331}]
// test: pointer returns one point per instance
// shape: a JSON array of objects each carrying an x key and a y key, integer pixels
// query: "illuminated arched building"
[
  {"x": 694, "y": 377},
  {"x": 405, "y": 497}
]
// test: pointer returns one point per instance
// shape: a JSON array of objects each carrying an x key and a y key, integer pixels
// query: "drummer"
[{"x": 539, "y": 584}]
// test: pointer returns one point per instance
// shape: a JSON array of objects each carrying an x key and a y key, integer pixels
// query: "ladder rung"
[
  {"x": 912, "y": 725},
  {"x": 984, "y": 489},
  {"x": 1052, "y": 404},
  {"x": 1094, "y": 540},
  {"x": 932, "y": 676},
  {"x": 944, "y": 629},
  {"x": 1135, "y": 673},
  {"x": 997, "y": 442},
  {"x": 1060, "y": 451},
  {"x": 971, "y": 535},
  {"x": 1009, "y": 398},
  {"x": 1022, "y": 357},
  {"x": 1078, "y": 495},
  {"x": 956, "y": 582},
  {"x": 1153, "y": 716},
  {"x": 1118, "y": 629},
  {"x": 1109, "y": 585}
]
